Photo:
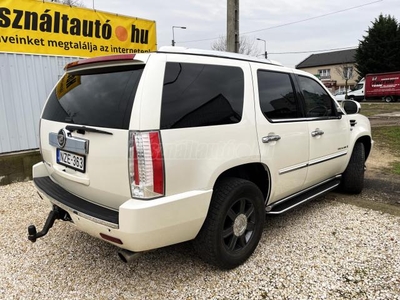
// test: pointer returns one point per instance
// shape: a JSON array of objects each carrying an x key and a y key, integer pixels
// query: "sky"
[{"x": 292, "y": 29}]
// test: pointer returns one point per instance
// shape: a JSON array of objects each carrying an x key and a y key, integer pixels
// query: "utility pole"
[{"x": 232, "y": 26}]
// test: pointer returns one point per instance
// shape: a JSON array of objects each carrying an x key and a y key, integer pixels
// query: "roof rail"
[{"x": 213, "y": 53}]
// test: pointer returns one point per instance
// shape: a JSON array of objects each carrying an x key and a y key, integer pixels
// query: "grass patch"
[
  {"x": 396, "y": 168},
  {"x": 389, "y": 137},
  {"x": 369, "y": 109}
]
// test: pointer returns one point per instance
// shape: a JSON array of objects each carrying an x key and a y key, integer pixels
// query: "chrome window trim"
[{"x": 305, "y": 119}]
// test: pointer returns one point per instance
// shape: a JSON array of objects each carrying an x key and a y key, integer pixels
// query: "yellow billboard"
[{"x": 38, "y": 27}]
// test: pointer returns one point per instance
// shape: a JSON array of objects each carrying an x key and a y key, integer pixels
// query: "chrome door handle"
[
  {"x": 317, "y": 132},
  {"x": 271, "y": 138}
]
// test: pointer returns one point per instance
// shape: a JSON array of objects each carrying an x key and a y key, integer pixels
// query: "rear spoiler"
[{"x": 100, "y": 59}]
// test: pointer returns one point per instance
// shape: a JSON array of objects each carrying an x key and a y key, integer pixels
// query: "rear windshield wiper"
[{"x": 83, "y": 129}]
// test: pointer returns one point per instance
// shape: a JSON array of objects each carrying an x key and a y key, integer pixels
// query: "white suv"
[{"x": 149, "y": 150}]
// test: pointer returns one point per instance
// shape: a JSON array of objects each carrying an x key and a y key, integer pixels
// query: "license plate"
[{"x": 71, "y": 160}]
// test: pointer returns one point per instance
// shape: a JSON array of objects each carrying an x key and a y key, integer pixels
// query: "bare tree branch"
[
  {"x": 346, "y": 72},
  {"x": 246, "y": 45}
]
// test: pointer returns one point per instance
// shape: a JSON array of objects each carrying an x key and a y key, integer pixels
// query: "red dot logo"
[{"x": 121, "y": 33}]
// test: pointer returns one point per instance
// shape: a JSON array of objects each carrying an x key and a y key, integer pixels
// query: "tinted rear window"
[
  {"x": 201, "y": 95},
  {"x": 100, "y": 97}
]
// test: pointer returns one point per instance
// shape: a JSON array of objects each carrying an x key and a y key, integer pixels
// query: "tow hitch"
[{"x": 56, "y": 214}]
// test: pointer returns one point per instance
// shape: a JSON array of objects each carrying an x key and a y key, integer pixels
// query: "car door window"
[
  {"x": 317, "y": 101},
  {"x": 201, "y": 95},
  {"x": 277, "y": 96}
]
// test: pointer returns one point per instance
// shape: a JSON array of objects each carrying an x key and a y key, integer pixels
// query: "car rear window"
[{"x": 98, "y": 97}]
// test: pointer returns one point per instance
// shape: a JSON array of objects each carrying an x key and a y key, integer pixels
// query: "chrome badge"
[{"x": 62, "y": 138}]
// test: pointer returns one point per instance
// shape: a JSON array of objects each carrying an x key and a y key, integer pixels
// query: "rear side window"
[
  {"x": 277, "y": 96},
  {"x": 201, "y": 95},
  {"x": 317, "y": 101},
  {"x": 99, "y": 97}
]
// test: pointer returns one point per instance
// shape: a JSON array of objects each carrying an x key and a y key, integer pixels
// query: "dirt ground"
[
  {"x": 381, "y": 189},
  {"x": 392, "y": 119}
]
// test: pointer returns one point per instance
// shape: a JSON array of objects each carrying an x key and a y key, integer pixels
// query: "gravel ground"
[{"x": 323, "y": 250}]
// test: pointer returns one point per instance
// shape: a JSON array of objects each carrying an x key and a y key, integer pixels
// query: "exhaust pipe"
[{"x": 127, "y": 256}]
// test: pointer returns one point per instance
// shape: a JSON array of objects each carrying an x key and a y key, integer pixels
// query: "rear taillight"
[{"x": 146, "y": 164}]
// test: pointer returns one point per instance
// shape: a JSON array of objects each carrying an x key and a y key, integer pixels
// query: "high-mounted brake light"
[
  {"x": 146, "y": 164},
  {"x": 120, "y": 57}
]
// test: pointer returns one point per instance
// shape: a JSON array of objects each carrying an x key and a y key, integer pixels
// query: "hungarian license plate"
[{"x": 71, "y": 160}]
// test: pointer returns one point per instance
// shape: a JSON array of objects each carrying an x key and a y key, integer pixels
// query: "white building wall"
[{"x": 25, "y": 82}]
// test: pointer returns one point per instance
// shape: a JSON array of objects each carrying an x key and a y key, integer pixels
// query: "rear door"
[
  {"x": 84, "y": 130},
  {"x": 282, "y": 131}
]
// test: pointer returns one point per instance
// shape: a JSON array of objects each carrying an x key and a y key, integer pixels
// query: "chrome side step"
[{"x": 286, "y": 204}]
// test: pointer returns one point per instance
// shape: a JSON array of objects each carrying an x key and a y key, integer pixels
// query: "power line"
[
  {"x": 313, "y": 18},
  {"x": 384, "y": 43},
  {"x": 313, "y": 51},
  {"x": 291, "y": 23}
]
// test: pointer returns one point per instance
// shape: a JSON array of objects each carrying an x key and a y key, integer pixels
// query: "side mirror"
[{"x": 351, "y": 107}]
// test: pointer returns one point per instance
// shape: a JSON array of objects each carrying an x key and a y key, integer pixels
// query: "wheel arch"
[
  {"x": 366, "y": 140},
  {"x": 255, "y": 172}
]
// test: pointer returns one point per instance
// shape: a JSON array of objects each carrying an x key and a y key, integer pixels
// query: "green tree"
[{"x": 379, "y": 51}]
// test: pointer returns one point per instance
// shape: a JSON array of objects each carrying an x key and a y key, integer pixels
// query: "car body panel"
[
  {"x": 195, "y": 158},
  {"x": 329, "y": 151}
]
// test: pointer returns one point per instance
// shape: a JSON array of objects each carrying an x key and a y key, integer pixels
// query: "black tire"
[
  {"x": 234, "y": 224},
  {"x": 353, "y": 176},
  {"x": 388, "y": 99}
]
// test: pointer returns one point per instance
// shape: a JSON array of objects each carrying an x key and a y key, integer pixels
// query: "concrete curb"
[{"x": 16, "y": 167}]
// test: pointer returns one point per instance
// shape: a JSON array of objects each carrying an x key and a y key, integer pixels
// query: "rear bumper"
[
  {"x": 140, "y": 224},
  {"x": 70, "y": 202}
]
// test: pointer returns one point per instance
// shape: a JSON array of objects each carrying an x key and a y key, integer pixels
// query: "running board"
[{"x": 284, "y": 205}]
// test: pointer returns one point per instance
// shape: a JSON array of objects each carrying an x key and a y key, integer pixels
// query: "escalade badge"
[{"x": 62, "y": 137}]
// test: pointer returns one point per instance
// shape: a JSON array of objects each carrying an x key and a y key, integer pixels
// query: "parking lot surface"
[{"x": 324, "y": 250}]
